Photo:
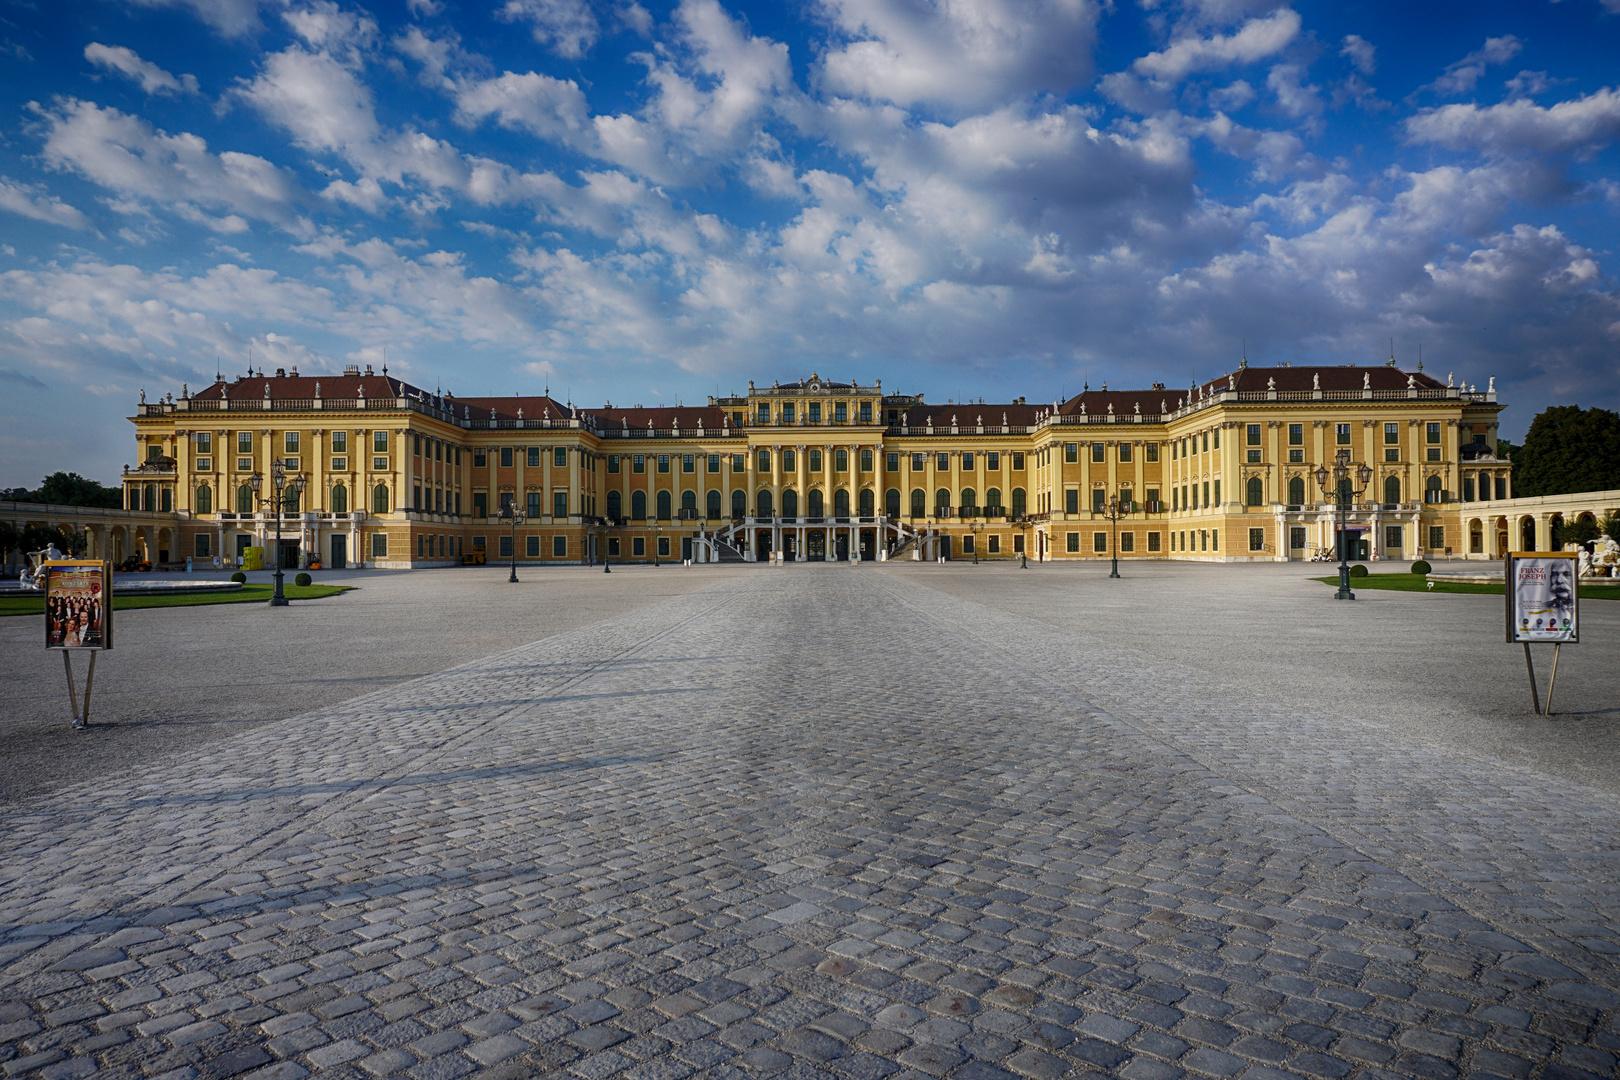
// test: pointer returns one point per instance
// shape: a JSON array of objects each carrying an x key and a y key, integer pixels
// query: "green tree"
[
  {"x": 1569, "y": 449},
  {"x": 71, "y": 489}
]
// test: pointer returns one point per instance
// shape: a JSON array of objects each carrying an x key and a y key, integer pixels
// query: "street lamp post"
[
  {"x": 510, "y": 515},
  {"x": 1343, "y": 491},
  {"x": 279, "y": 483},
  {"x": 1113, "y": 518}
]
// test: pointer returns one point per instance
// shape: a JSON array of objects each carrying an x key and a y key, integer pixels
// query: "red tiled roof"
[
  {"x": 302, "y": 387},
  {"x": 538, "y": 407},
  {"x": 608, "y": 420},
  {"x": 968, "y": 415}
]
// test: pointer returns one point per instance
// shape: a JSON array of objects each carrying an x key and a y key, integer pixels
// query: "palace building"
[{"x": 396, "y": 476}]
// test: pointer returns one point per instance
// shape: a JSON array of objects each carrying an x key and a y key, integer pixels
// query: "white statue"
[
  {"x": 1491, "y": 388},
  {"x": 1450, "y": 380},
  {"x": 1271, "y": 384},
  {"x": 1411, "y": 382},
  {"x": 1316, "y": 380},
  {"x": 1366, "y": 380}
]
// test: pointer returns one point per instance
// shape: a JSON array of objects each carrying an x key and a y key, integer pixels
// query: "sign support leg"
[
  {"x": 1556, "y": 646},
  {"x": 1535, "y": 699},
  {"x": 90, "y": 679},
  {"x": 73, "y": 693}
]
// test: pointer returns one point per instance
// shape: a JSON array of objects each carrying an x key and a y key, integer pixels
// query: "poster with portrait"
[
  {"x": 78, "y": 605},
  {"x": 1541, "y": 597}
]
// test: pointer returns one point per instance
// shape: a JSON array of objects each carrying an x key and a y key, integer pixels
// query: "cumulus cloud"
[
  {"x": 232, "y": 18},
  {"x": 1360, "y": 53},
  {"x": 566, "y": 27},
  {"x": 1521, "y": 126},
  {"x": 1256, "y": 40},
  {"x": 957, "y": 54},
  {"x": 138, "y": 162},
  {"x": 1462, "y": 76},
  {"x": 153, "y": 79},
  {"x": 30, "y": 203}
]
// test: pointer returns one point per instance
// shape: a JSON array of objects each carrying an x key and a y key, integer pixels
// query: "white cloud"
[
  {"x": 1461, "y": 77},
  {"x": 1361, "y": 53},
  {"x": 1294, "y": 96},
  {"x": 233, "y": 18},
  {"x": 128, "y": 156},
  {"x": 1256, "y": 40},
  {"x": 325, "y": 26},
  {"x": 957, "y": 53},
  {"x": 566, "y": 27},
  {"x": 539, "y": 104},
  {"x": 153, "y": 79},
  {"x": 27, "y": 201},
  {"x": 1521, "y": 126}
]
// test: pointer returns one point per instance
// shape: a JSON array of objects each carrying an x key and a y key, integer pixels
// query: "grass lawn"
[
  {"x": 247, "y": 594},
  {"x": 1419, "y": 583}
]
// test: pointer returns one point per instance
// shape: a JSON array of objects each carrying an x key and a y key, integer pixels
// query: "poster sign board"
[
  {"x": 1542, "y": 597},
  {"x": 78, "y": 604}
]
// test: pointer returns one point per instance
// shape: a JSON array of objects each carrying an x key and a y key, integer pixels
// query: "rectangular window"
[
  {"x": 1018, "y": 544},
  {"x": 559, "y": 457},
  {"x": 841, "y": 412},
  {"x": 1152, "y": 498},
  {"x": 416, "y": 451},
  {"x": 1341, "y": 434},
  {"x": 841, "y": 460},
  {"x": 505, "y": 547},
  {"x": 891, "y": 462},
  {"x": 244, "y": 442},
  {"x": 967, "y": 545},
  {"x": 1173, "y": 454},
  {"x": 290, "y": 441},
  {"x": 1296, "y": 457},
  {"x": 1206, "y": 492},
  {"x": 967, "y": 461},
  {"x": 638, "y": 544},
  {"x": 1124, "y": 451},
  {"x": 379, "y": 545},
  {"x": 1127, "y": 541},
  {"x": 1254, "y": 457},
  {"x": 1296, "y": 538},
  {"x": 1206, "y": 442},
  {"x": 1254, "y": 434},
  {"x": 763, "y": 416},
  {"x": 1153, "y": 451},
  {"x": 205, "y": 442},
  {"x": 1432, "y": 434},
  {"x": 1501, "y": 487},
  {"x": 1071, "y": 453},
  {"x": 1153, "y": 541},
  {"x": 1099, "y": 500},
  {"x": 1257, "y": 539},
  {"x": 1468, "y": 489},
  {"x": 942, "y": 462},
  {"x": 506, "y": 457},
  {"x": 1217, "y": 440},
  {"x": 559, "y": 504},
  {"x": 813, "y": 411},
  {"x": 1099, "y": 452},
  {"x": 992, "y": 461},
  {"x": 559, "y": 547},
  {"x": 713, "y": 464},
  {"x": 866, "y": 459},
  {"x": 480, "y": 543},
  {"x": 205, "y": 464},
  {"x": 1393, "y": 536},
  {"x": 613, "y": 463},
  {"x": 1018, "y": 461},
  {"x": 1215, "y": 539},
  {"x": 1392, "y": 433},
  {"x": 1099, "y": 542},
  {"x": 663, "y": 541},
  {"x": 866, "y": 412},
  {"x": 480, "y": 459},
  {"x": 1296, "y": 434},
  {"x": 1071, "y": 502},
  {"x": 613, "y": 546},
  {"x": 531, "y": 547},
  {"x": 1217, "y": 493},
  {"x": 919, "y": 462},
  {"x": 787, "y": 418},
  {"x": 688, "y": 463},
  {"x": 663, "y": 463},
  {"x": 1433, "y": 453},
  {"x": 764, "y": 463},
  {"x": 377, "y": 463},
  {"x": 790, "y": 460},
  {"x": 480, "y": 504},
  {"x": 1072, "y": 542},
  {"x": 1392, "y": 453},
  {"x": 739, "y": 462},
  {"x": 532, "y": 457},
  {"x": 1437, "y": 536},
  {"x": 532, "y": 509}
]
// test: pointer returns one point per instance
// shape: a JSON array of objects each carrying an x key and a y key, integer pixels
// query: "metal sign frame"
[
  {"x": 74, "y": 590},
  {"x": 1541, "y": 597}
]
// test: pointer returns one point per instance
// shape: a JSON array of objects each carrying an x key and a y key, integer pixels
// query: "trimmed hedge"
[
  {"x": 239, "y": 576},
  {"x": 1422, "y": 567},
  {"x": 302, "y": 579},
  {"x": 1357, "y": 570}
]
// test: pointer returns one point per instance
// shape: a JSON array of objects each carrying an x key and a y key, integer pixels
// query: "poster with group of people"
[
  {"x": 78, "y": 605},
  {"x": 1541, "y": 593}
]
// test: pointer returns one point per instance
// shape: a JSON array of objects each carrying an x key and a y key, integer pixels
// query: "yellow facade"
[{"x": 397, "y": 477}]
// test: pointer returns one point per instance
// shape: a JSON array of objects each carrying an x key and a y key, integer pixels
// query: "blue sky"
[{"x": 649, "y": 202}]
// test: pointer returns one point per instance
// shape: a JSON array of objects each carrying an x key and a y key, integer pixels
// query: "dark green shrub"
[
  {"x": 302, "y": 579},
  {"x": 1357, "y": 570},
  {"x": 1422, "y": 567},
  {"x": 239, "y": 576}
]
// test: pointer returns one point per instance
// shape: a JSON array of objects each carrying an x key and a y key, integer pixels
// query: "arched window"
[
  {"x": 1296, "y": 491},
  {"x": 814, "y": 503},
  {"x": 244, "y": 499},
  {"x": 379, "y": 499},
  {"x": 615, "y": 505},
  {"x": 790, "y": 503},
  {"x": 714, "y": 505},
  {"x": 1019, "y": 503},
  {"x": 841, "y": 503},
  {"x": 688, "y": 502},
  {"x": 205, "y": 500},
  {"x": 891, "y": 502},
  {"x": 739, "y": 503},
  {"x": 1392, "y": 489},
  {"x": 992, "y": 499},
  {"x": 867, "y": 500},
  {"x": 762, "y": 503},
  {"x": 970, "y": 502},
  {"x": 942, "y": 503},
  {"x": 1431, "y": 490},
  {"x": 340, "y": 499},
  {"x": 638, "y": 506},
  {"x": 663, "y": 506},
  {"x": 919, "y": 502},
  {"x": 1256, "y": 492}
]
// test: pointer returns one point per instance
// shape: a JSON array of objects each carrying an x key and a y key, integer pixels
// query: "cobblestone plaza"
[{"x": 853, "y": 821}]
